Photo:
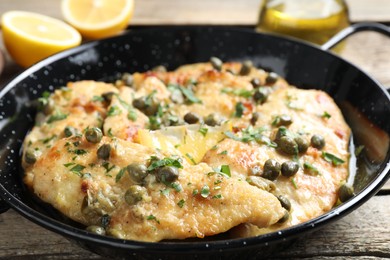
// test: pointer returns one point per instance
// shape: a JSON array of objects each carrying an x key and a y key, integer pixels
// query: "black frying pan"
[{"x": 366, "y": 106}]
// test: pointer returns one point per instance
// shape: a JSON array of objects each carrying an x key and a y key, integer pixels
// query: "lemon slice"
[
  {"x": 96, "y": 19},
  {"x": 30, "y": 37},
  {"x": 191, "y": 141}
]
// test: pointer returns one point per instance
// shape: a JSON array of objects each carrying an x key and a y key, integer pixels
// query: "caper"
[
  {"x": 93, "y": 135},
  {"x": 303, "y": 144},
  {"x": 285, "y": 120},
  {"x": 282, "y": 131},
  {"x": 135, "y": 194},
  {"x": 285, "y": 217},
  {"x": 254, "y": 118},
  {"x": 271, "y": 169},
  {"x": 167, "y": 174},
  {"x": 211, "y": 120},
  {"x": 191, "y": 118},
  {"x": 256, "y": 82},
  {"x": 216, "y": 63},
  {"x": 31, "y": 156},
  {"x": 231, "y": 71},
  {"x": 287, "y": 145},
  {"x": 151, "y": 109},
  {"x": 69, "y": 131},
  {"x": 317, "y": 141},
  {"x": 139, "y": 103},
  {"x": 260, "y": 95},
  {"x": 127, "y": 79},
  {"x": 137, "y": 172},
  {"x": 346, "y": 192},
  {"x": 160, "y": 68},
  {"x": 104, "y": 151},
  {"x": 98, "y": 230},
  {"x": 289, "y": 168},
  {"x": 285, "y": 202},
  {"x": 271, "y": 78},
  {"x": 261, "y": 183},
  {"x": 246, "y": 67},
  {"x": 107, "y": 96}
]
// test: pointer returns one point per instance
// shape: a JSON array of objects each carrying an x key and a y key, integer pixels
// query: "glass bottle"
[{"x": 315, "y": 21}]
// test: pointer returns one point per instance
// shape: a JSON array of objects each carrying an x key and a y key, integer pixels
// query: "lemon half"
[
  {"x": 96, "y": 19},
  {"x": 30, "y": 37}
]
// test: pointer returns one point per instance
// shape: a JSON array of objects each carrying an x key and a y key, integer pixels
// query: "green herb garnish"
[
  {"x": 152, "y": 217},
  {"x": 326, "y": 115},
  {"x": 97, "y": 99},
  {"x": 203, "y": 130},
  {"x": 332, "y": 158},
  {"x": 181, "y": 203},
  {"x": 58, "y": 116},
  {"x": 157, "y": 163},
  {"x": 114, "y": 110},
  {"x": 310, "y": 169},
  {"x": 238, "y": 92},
  {"x": 120, "y": 174},
  {"x": 189, "y": 156},
  {"x": 239, "y": 110}
]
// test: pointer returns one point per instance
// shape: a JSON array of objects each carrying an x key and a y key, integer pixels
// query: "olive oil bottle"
[{"x": 315, "y": 21}]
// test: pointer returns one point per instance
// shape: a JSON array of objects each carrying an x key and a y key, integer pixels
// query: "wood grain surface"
[{"x": 363, "y": 234}]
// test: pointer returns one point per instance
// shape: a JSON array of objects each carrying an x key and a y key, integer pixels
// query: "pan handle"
[
  {"x": 3, "y": 206},
  {"x": 354, "y": 28}
]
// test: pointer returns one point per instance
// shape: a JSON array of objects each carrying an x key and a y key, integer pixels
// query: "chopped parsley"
[
  {"x": 97, "y": 99},
  {"x": 238, "y": 92},
  {"x": 181, "y": 203},
  {"x": 239, "y": 110},
  {"x": 224, "y": 152},
  {"x": 152, "y": 217},
  {"x": 187, "y": 93},
  {"x": 203, "y": 130},
  {"x": 189, "y": 156},
  {"x": 57, "y": 116},
  {"x": 120, "y": 174},
  {"x": 332, "y": 158},
  {"x": 77, "y": 168},
  {"x": 218, "y": 196},
  {"x": 176, "y": 186},
  {"x": 294, "y": 183},
  {"x": 157, "y": 163},
  {"x": 114, "y": 110},
  {"x": 310, "y": 169},
  {"x": 326, "y": 115},
  {"x": 106, "y": 165},
  {"x": 223, "y": 170},
  {"x": 252, "y": 134},
  {"x": 165, "y": 192},
  {"x": 47, "y": 140},
  {"x": 44, "y": 100}
]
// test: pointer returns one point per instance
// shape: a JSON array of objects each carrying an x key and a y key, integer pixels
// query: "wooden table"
[{"x": 364, "y": 234}]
